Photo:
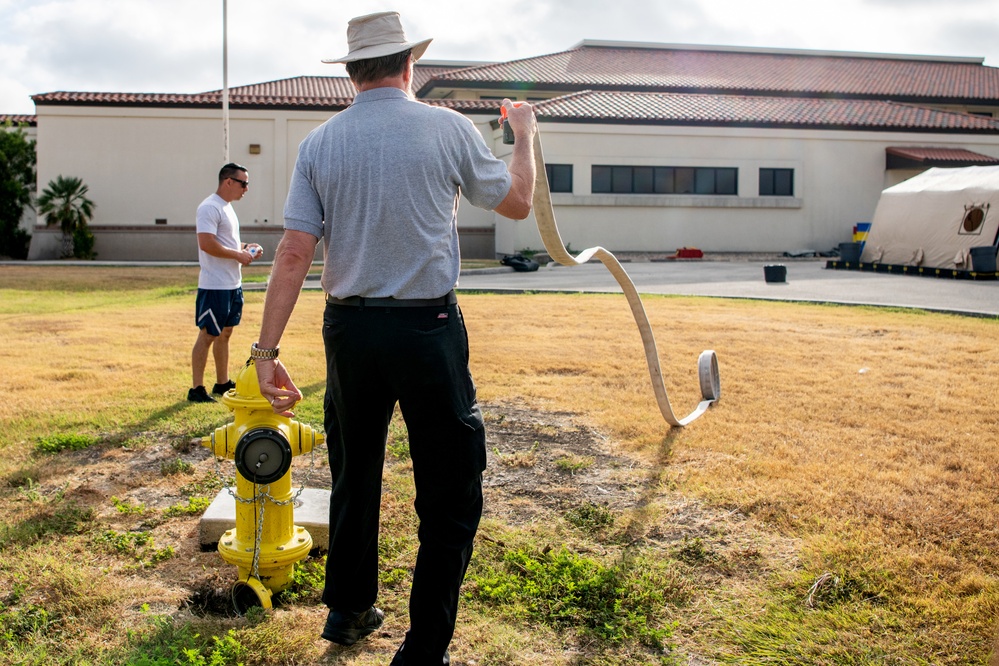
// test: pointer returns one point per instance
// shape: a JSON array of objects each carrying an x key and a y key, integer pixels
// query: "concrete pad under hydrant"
[{"x": 312, "y": 511}]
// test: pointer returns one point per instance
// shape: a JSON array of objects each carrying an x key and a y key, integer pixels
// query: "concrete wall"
[
  {"x": 148, "y": 169},
  {"x": 838, "y": 178}
]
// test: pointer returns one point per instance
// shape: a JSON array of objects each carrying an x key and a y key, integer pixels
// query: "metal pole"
[{"x": 225, "y": 82}]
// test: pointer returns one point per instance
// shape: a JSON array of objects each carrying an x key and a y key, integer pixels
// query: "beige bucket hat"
[{"x": 377, "y": 35}]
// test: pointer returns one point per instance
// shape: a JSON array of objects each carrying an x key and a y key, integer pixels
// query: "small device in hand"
[{"x": 507, "y": 130}]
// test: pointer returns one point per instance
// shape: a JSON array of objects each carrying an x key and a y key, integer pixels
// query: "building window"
[
  {"x": 559, "y": 177},
  {"x": 776, "y": 182},
  {"x": 663, "y": 180}
]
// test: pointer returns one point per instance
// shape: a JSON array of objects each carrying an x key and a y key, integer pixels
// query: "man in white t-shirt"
[{"x": 219, "y": 304}]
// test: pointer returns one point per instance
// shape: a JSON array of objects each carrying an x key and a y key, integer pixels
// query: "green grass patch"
[
  {"x": 53, "y": 519},
  {"x": 573, "y": 463},
  {"x": 127, "y": 507},
  {"x": 64, "y": 442},
  {"x": 18, "y": 625},
  {"x": 138, "y": 546},
  {"x": 590, "y": 517},
  {"x": 194, "y": 506},
  {"x": 176, "y": 466},
  {"x": 169, "y": 643},
  {"x": 397, "y": 445},
  {"x": 307, "y": 580},
  {"x": 562, "y": 589}
]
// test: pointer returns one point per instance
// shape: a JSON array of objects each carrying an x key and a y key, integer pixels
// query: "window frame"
[
  {"x": 663, "y": 180},
  {"x": 554, "y": 179},
  {"x": 769, "y": 186}
]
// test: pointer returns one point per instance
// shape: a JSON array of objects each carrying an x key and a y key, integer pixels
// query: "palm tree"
[{"x": 64, "y": 202}]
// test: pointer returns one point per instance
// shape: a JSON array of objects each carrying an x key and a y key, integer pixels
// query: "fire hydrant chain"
[
  {"x": 262, "y": 496},
  {"x": 255, "y": 568},
  {"x": 229, "y": 485}
]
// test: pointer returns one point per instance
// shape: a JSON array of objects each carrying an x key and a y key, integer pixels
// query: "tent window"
[{"x": 974, "y": 216}]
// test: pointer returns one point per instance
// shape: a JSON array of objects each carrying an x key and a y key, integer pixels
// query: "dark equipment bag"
[{"x": 519, "y": 263}]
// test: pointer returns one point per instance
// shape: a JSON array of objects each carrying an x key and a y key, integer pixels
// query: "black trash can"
[
  {"x": 849, "y": 252},
  {"x": 775, "y": 273},
  {"x": 983, "y": 259}
]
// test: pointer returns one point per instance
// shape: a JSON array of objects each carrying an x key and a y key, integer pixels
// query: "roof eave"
[
  {"x": 765, "y": 125},
  {"x": 564, "y": 87},
  {"x": 282, "y": 106}
]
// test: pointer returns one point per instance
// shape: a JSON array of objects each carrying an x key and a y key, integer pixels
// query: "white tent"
[{"x": 934, "y": 219}]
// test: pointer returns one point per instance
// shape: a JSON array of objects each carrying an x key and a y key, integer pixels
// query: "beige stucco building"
[{"x": 651, "y": 147}]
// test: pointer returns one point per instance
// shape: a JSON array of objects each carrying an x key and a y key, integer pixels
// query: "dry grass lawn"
[{"x": 847, "y": 479}]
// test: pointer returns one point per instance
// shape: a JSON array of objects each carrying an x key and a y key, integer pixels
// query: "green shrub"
[{"x": 83, "y": 243}]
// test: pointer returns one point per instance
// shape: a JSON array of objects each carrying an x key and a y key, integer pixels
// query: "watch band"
[{"x": 259, "y": 354}]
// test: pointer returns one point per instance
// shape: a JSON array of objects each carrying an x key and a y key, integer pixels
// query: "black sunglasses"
[{"x": 244, "y": 183}]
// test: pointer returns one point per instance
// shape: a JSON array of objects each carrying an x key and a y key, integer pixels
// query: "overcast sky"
[{"x": 175, "y": 46}]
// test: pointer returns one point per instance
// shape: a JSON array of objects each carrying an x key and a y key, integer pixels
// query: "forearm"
[
  {"x": 520, "y": 199},
  {"x": 523, "y": 171},
  {"x": 209, "y": 244},
  {"x": 291, "y": 265}
]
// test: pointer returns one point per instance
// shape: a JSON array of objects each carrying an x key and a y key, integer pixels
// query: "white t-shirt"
[{"x": 216, "y": 216}]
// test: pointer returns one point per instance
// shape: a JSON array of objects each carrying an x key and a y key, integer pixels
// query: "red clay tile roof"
[
  {"x": 941, "y": 156},
  {"x": 305, "y": 92},
  {"x": 754, "y": 111},
  {"x": 17, "y": 119},
  {"x": 730, "y": 88},
  {"x": 300, "y": 92},
  {"x": 309, "y": 92},
  {"x": 730, "y": 71}
]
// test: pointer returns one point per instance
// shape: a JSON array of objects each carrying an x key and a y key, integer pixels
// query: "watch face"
[{"x": 263, "y": 456}]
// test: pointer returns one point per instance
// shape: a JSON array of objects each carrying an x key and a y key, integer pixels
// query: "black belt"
[{"x": 449, "y": 298}]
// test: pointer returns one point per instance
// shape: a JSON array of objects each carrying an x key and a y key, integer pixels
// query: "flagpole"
[{"x": 225, "y": 82}]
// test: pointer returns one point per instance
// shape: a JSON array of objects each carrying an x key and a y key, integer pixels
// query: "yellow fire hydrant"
[{"x": 266, "y": 543}]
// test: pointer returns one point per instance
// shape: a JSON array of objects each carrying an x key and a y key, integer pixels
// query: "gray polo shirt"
[{"x": 380, "y": 184}]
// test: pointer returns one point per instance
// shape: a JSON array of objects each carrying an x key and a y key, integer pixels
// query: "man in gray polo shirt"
[{"x": 379, "y": 184}]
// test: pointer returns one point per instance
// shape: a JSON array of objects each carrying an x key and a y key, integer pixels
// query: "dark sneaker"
[
  {"x": 220, "y": 389},
  {"x": 400, "y": 659},
  {"x": 199, "y": 394},
  {"x": 348, "y": 628}
]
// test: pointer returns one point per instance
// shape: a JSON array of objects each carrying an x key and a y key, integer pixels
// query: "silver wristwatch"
[{"x": 258, "y": 354}]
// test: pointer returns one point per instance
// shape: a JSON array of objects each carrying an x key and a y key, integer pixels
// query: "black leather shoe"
[
  {"x": 348, "y": 628},
  {"x": 199, "y": 394},
  {"x": 400, "y": 659},
  {"x": 220, "y": 389}
]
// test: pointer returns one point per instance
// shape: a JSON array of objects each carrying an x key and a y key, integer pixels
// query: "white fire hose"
[{"x": 707, "y": 363}]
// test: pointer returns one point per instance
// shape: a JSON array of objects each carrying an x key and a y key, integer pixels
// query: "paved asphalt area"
[{"x": 807, "y": 280}]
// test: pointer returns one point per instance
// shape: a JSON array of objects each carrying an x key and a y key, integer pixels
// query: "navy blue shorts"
[{"x": 216, "y": 309}]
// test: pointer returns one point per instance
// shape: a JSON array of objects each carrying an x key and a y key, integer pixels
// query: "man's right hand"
[
  {"x": 521, "y": 119},
  {"x": 276, "y": 386}
]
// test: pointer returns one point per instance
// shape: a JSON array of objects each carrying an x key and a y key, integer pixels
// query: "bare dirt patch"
[{"x": 546, "y": 462}]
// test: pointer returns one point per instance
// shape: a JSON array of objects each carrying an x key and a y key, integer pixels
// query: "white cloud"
[{"x": 176, "y": 45}]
